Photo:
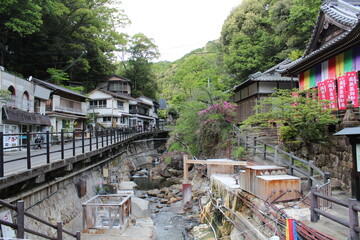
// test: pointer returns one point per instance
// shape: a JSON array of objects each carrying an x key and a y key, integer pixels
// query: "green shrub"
[{"x": 238, "y": 153}]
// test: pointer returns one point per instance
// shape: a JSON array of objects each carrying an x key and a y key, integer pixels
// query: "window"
[
  {"x": 122, "y": 120},
  {"x": 118, "y": 87},
  {"x": 106, "y": 119},
  {"x": 120, "y": 104},
  {"x": 98, "y": 104}
]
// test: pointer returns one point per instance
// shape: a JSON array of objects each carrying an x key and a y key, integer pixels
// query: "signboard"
[
  {"x": 342, "y": 83},
  {"x": 353, "y": 93},
  {"x": 332, "y": 96},
  {"x": 7, "y": 232}
]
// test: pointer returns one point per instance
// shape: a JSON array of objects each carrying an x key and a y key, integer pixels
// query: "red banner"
[
  {"x": 342, "y": 83},
  {"x": 323, "y": 92},
  {"x": 330, "y": 84},
  {"x": 353, "y": 91}
]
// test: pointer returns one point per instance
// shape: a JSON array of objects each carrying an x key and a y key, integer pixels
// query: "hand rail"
[
  {"x": 62, "y": 142},
  {"x": 293, "y": 162},
  {"x": 20, "y": 224},
  {"x": 352, "y": 222}
]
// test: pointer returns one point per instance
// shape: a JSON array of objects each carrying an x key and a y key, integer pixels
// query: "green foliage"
[
  {"x": 162, "y": 114},
  {"x": 305, "y": 117},
  {"x": 138, "y": 67},
  {"x": 78, "y": 37},
  {"x": 168, "y": 160},
  {"x": 260, "y": 33},
  {"x": 287, "y": 134},
  {"x": 238, "y": 153},
  {"x": 176, "y": 146},
  {"x": 5, "y": 95},
  {"x": 57, "y": 76}
]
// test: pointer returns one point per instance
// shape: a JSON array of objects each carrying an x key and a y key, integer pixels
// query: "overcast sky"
[{"x": 178, "y": 26}]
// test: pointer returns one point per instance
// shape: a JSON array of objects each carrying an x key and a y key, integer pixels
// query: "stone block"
[{"x": 140, "y": 208}]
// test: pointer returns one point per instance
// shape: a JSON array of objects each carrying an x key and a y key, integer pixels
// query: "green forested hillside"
[{"x": 256, "y": 35}]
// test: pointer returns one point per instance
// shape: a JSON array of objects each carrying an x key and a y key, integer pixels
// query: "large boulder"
[{"x": 140, "y": 208}]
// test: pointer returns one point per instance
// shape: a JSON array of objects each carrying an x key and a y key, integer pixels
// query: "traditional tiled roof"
[
  {"x": 115, "y": 94},
  {"x": 335, "y": 11},
  {"x": 269, "y": 75},
  {"x": 56, "y": 87},
  {"x": 342, "y": 12}
]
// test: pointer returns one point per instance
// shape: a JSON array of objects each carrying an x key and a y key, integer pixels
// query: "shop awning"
[{"x": 17, "y": 116}]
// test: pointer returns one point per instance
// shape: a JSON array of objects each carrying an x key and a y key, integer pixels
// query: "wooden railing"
[
  {"x": 280, "y": 157},
  {"x": 20, "y": 223},
  {"x": 352, "y": 222}
]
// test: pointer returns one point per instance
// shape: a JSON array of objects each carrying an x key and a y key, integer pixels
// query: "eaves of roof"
[
  {"x": 118, "y": 95},
  {"x": 270, "y": 75},
  {"x": 342, "y": 12},
  {"x": 328, "y": 50},
  {"x": 54, "y": 87}
]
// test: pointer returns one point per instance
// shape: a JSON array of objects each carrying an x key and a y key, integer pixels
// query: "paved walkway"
[{"x": 16, "y": 161}]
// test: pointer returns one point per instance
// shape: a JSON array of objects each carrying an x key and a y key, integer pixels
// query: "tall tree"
[
  {"x": 260, "y": 33},
  {"x": 76, "y": 36},
  {"x": 138, "y": 68}
]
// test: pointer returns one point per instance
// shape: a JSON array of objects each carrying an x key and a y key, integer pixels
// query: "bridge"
[{"x": 26, "y": 166}]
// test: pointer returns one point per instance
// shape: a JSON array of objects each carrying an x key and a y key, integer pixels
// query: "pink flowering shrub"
[
  {"x": 215, "y": 124},
  {"x": 224, "y": 111}
]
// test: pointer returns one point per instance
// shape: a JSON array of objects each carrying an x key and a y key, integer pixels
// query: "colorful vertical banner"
[
  {"x": 342, "y": 85},
  {"x": 301, "y": 81},
  {"x": 353, "y": 91},
  {"x": 330, "y": 84},
  {"x": 332, "y": 68},
  {"x": 291, "y": 233},
  {"x": 307, "y": 79},
  {"x": 340, "y": 65}
]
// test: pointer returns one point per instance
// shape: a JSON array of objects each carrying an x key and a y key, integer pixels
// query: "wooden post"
[
  {"x": 264, "y": 153},
  {"x": 78, "y": 235},
  {"x": 186, "y": 169},
  {"x": 228, "y": 149},
  {"x": 314, "y": 217},
  {"x": 311, "y": 173},
  {"x": 276, "y": 155},
  {"x": 254, "y": 153},
  {"x": 353, "y": 219},
  {"x": 20, "y": 219},
  {"x": 59, "y": 230},
  {"x": 291, "y": 164}
]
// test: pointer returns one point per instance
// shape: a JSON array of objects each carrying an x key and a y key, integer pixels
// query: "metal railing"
[
  {"x": 70, "y": 143},
  {"x": 352, "y": 205},
  {"x": 278, "y": 156},
  {"x": 20, "y": 223}
]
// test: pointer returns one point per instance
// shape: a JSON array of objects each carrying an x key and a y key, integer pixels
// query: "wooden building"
[
  {"x": 259, "y": 85},
  {"x": 332, "y": 59}
]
